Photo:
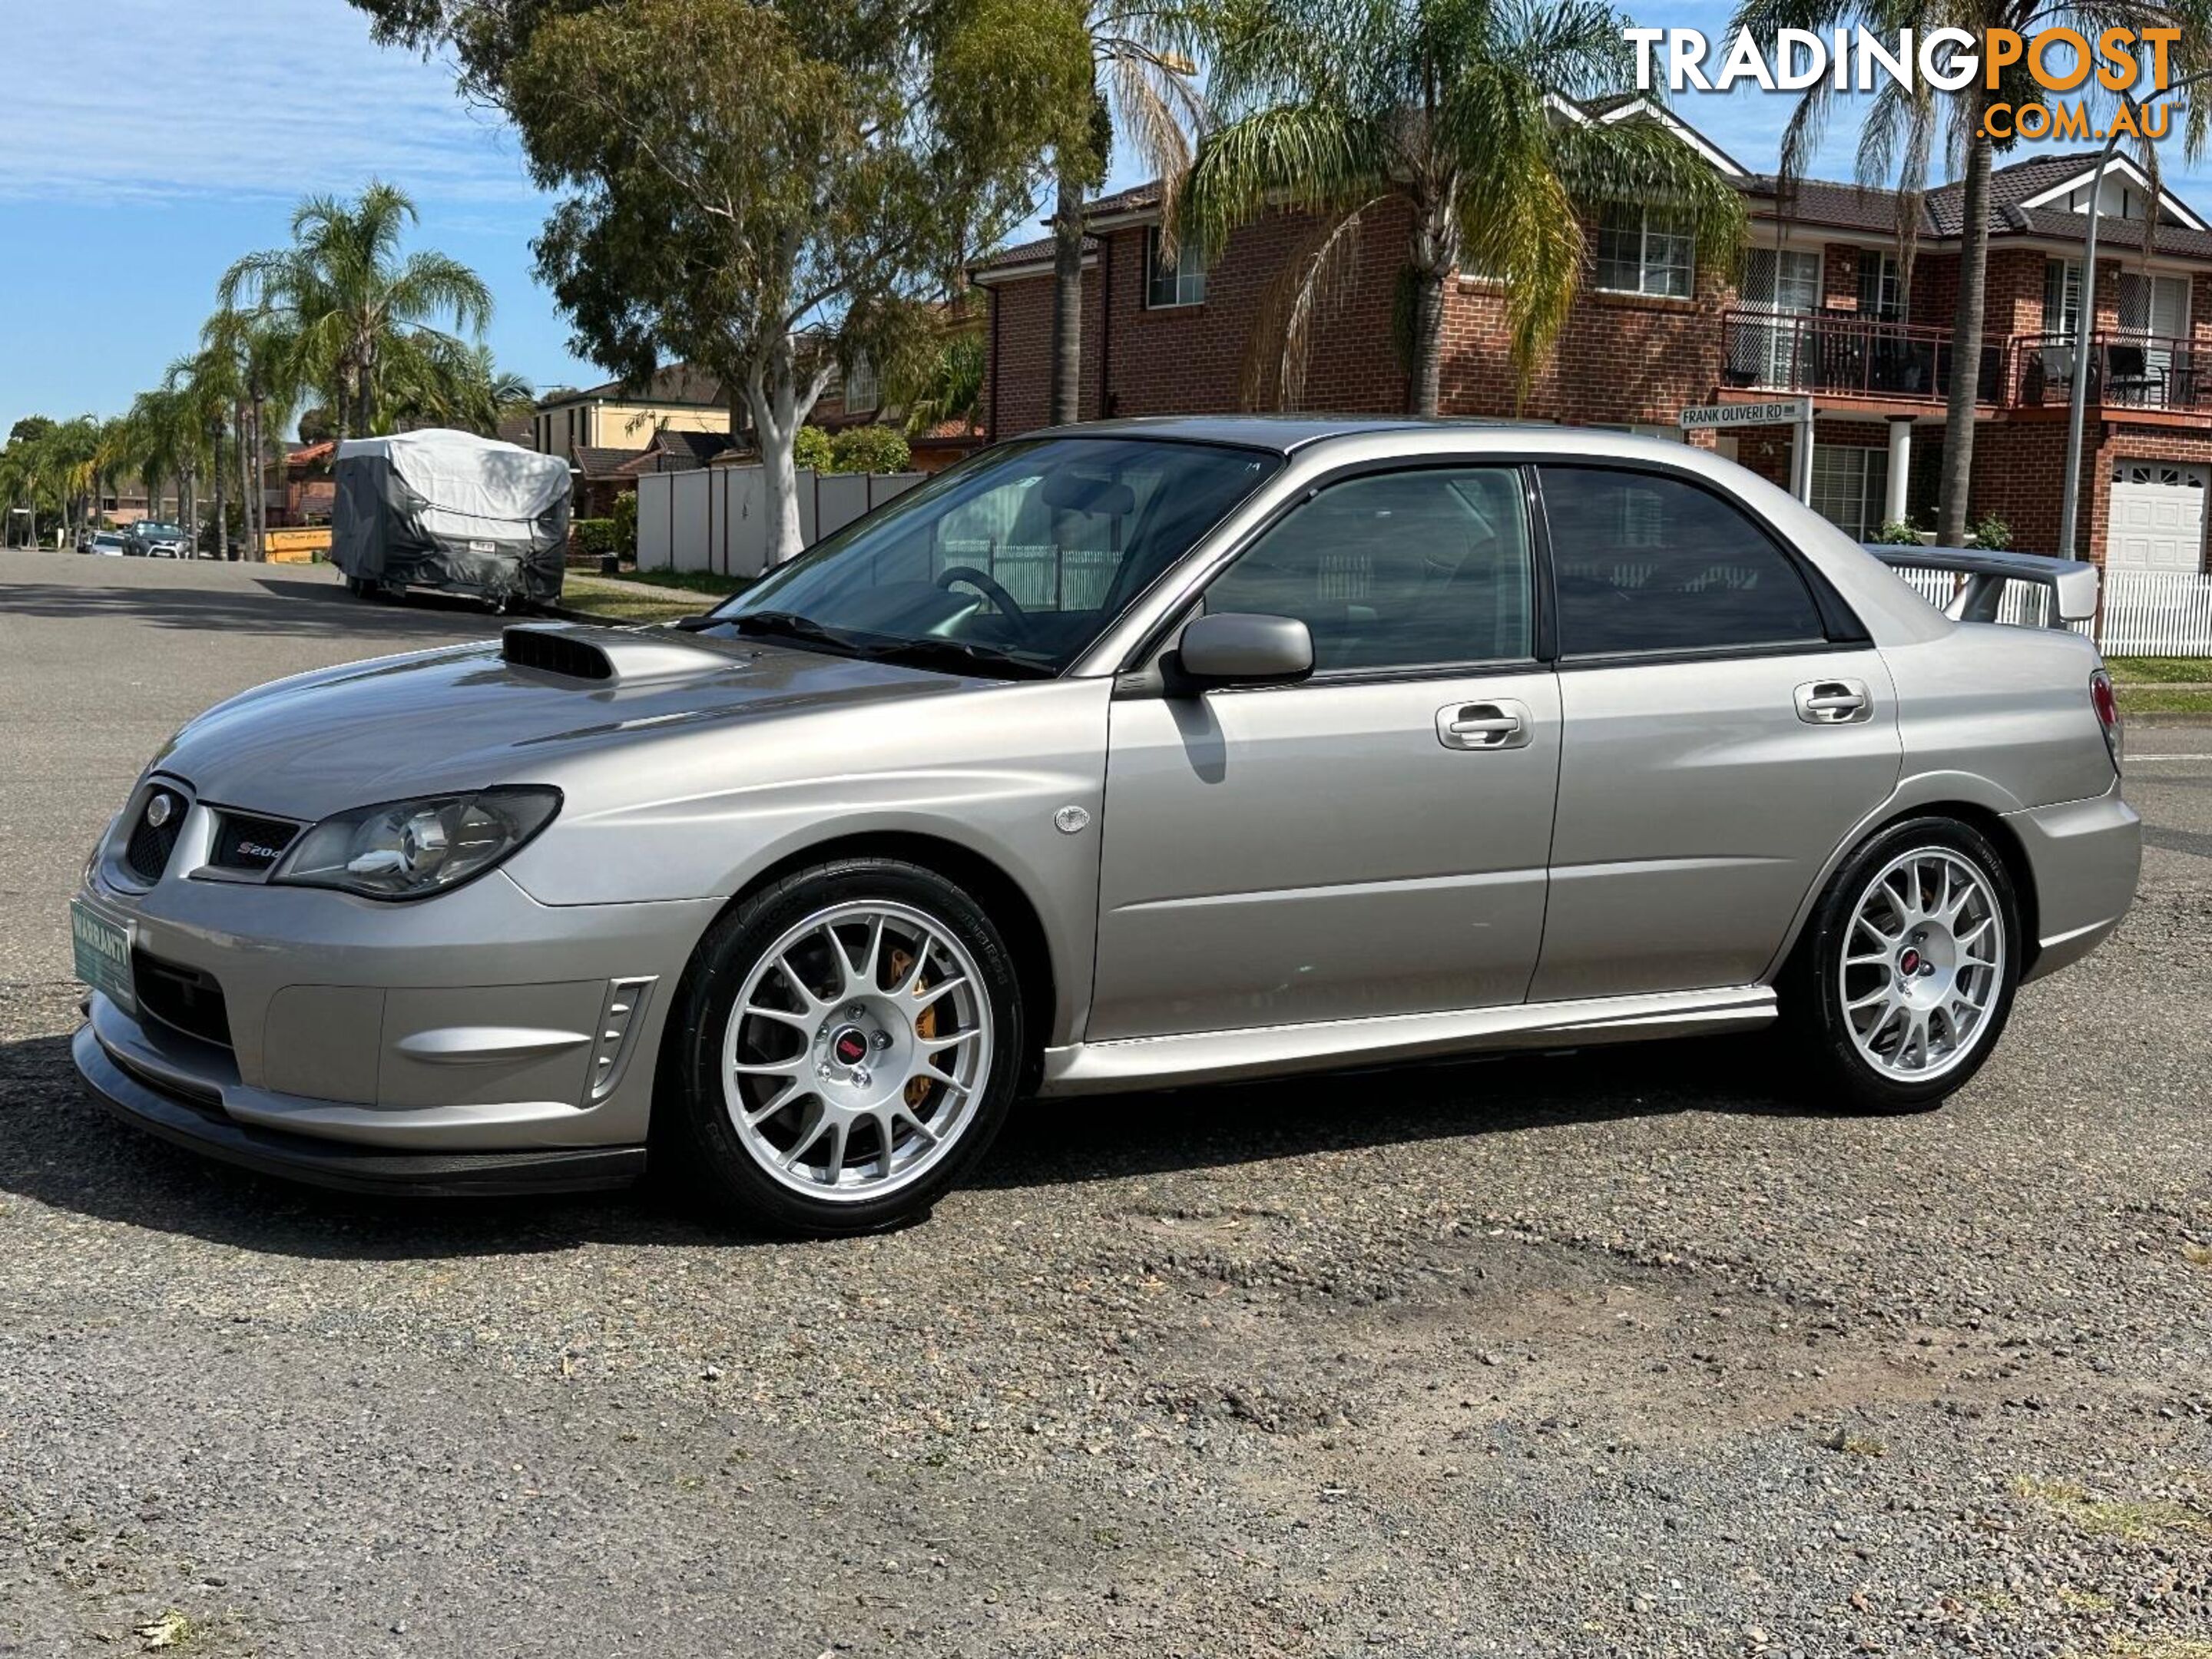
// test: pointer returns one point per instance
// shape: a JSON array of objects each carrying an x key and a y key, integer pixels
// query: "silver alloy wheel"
[
  {"x": 1922, "y": 960},
  {"x": 857, "y": 1051}
]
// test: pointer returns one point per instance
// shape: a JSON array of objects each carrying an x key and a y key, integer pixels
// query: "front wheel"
[
  {"x": 1905, "y": 977},
  {"x": 845, "y": 1046}
]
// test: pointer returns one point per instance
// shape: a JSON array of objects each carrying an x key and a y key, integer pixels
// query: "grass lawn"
[
  {"x": 633, "y": 602},
  {"x": 2164, "y": 699},
  {"x": 691, "y": 582},
  {"x": 2159, "y": 670},
  {"x": 2162, "y": 686}
]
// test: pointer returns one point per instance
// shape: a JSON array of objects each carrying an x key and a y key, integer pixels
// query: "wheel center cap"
[
  {"x": 1909, "y": 963},
  {"x": 850, "y": 1045}
]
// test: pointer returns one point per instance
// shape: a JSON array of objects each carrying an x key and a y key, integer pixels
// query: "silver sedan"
[{"x": 1138, "y": 754}]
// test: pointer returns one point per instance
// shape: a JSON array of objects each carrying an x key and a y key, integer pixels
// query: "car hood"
[{"x": 463, "y": 717}]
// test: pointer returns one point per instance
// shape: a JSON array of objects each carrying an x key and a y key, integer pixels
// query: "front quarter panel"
[{"x": 704, "y": 812}]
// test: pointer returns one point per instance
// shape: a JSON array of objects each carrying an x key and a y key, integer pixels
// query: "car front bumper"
[{"x": 476, "y": 1041}]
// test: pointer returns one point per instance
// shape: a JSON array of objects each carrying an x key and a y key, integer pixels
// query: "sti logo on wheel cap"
[
  {"x": 849, "y": 1046},
  {"x": 1909, "y": 963}
]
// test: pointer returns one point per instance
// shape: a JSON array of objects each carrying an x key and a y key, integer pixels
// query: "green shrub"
[
  {"x": 594, "y": 536},
  {"x": 870, "y": 449},
  {"x": 810, "y": 448},
  {"x": 1898, "y": 532},
  {"x": 625, "y": 524},
  {"x": 1992, "y": 532}
]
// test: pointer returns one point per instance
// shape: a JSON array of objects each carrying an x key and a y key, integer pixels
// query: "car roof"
[{"x": 1283, "y": 433}]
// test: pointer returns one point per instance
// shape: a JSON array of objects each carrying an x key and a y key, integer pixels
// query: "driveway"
[{"x": 1616, "y": 1353}]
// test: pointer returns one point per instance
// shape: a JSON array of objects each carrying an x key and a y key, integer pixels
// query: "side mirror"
[{"x": 1239, "y": 648}]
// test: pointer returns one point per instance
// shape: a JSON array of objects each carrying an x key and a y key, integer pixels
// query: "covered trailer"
[{"x": 450, "y": 511}]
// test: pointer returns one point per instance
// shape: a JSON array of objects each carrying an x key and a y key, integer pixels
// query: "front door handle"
[
  {"x": 1501, "y": 723},
  {"x": 1834, "y": 703}
]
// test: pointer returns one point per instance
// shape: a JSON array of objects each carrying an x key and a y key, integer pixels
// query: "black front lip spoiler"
[{"x": 344, "y": 1165}]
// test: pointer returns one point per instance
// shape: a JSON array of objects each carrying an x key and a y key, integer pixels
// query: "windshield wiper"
[
  {"x": 959, "y": 656},
  {"x": 790, "y": 625}
]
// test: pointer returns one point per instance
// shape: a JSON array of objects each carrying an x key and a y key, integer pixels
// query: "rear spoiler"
[{"x": 2073, "y": 584}]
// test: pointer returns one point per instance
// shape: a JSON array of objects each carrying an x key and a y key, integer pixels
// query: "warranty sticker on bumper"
[{"x": 103, "y": 952}]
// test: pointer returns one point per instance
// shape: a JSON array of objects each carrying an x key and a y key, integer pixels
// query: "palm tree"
[
  {"x": 255, "y": 360},
  {"x": 1904, "y": 128},
  {"x": 951, "y": 387},
  {"x": 161, "y": 441},
  {"x": 443, "y": 383},
  {"x": 1452, "y": 109},
  {"x": 1139, "y": 49},
  {"x": 343, "y": 293}
]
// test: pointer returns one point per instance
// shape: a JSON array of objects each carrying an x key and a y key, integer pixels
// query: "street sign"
[{"x": 1781, "y": 411}]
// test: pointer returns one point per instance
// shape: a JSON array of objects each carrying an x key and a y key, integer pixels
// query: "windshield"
[{"x": 1013, "y": 562}]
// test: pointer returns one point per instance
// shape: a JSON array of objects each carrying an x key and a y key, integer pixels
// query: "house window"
[
  {"x": 861, "y": 389},
  {"x": 1181, "y": 282},
  {"x": 1881, "y": 297},
  {"x": 1641, "y": 251},
  {"x": 2062, "y": 296},
  {"x": 1848, "y": 486}
]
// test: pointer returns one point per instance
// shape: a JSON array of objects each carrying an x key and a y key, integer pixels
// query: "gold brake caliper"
[{"x": 925, "y": 1027}]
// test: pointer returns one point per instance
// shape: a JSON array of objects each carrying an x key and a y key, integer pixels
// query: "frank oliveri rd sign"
[{"x": 1782, "y": 411}]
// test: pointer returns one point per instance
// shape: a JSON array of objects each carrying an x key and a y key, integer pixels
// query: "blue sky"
[{"x": 119, "y": 209}]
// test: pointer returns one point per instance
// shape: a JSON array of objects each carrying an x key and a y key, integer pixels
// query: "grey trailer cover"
[{"x": 451, "y": 511}]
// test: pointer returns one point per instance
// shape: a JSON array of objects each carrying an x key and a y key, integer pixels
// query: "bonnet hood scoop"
[{"x": 604, "y": 656}]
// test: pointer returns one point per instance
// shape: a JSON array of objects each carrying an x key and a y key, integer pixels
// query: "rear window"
[{"x": 1647, "y": 563}]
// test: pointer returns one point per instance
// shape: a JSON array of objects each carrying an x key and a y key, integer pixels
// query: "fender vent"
[{"x": 555, "y": 653}]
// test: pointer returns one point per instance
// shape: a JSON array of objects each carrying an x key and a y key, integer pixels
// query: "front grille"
[
  {"x": 151, "y": 843},
  {"x": 185, "y": 998},
  {"x": 243, "y": 842}
]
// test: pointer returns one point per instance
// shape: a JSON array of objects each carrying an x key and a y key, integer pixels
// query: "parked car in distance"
[
  {"x": 1122, "y": 756},
  {"x": 109, "y": 542},
  {"x": 151, "y": 539}
]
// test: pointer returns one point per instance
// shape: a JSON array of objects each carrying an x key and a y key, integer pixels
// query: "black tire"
[
  {"x": 1814, "y": 1025},
  {"x": 693, "y": 1124}
]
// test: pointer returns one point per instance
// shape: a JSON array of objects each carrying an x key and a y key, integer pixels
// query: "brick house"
[{"x": 1817, "y": 307}]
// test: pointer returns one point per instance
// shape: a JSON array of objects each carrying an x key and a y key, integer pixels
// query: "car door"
[
  {"x": 1373, "y": 840},
  {"x": 1725, "y": 727}
]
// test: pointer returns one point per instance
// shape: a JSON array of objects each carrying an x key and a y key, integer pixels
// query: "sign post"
[{"x": 1779, "y": 411}]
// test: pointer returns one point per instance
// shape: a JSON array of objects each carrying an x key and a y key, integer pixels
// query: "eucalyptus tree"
[
  {"x": 1450, "y": 111},
  {"x": 347, "y": 298},
  {"x": 1906, "y": 128}
]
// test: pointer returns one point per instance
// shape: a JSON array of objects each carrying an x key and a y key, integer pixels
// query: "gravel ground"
[{"x": 1618, "y": 1353}]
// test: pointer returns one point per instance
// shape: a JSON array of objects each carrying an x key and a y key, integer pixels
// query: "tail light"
[{"x": 2107, "y": 705}]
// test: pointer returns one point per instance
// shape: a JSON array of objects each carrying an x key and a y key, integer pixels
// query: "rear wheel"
[
  {"x": 846, "y": 1045},
  {"x": 1905, "y": 977}
]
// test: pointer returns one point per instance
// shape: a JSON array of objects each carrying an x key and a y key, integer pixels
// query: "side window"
[
  {"x": 1644, "y": 562},
  {"x": 1398, "y": 570}
]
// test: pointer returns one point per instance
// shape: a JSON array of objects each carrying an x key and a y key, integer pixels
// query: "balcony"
[
  {"x": 2157, "y": 371},
  {"x": 1839, "y": 355}
]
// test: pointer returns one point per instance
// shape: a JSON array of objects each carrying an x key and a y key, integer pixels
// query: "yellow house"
[{"x": 677, "y": 399}]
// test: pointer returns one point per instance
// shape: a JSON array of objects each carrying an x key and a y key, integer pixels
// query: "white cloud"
[{"x": 149, "y": 100}]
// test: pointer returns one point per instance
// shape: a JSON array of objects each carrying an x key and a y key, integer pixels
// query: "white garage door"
[{"x": 2158, "y": 517}]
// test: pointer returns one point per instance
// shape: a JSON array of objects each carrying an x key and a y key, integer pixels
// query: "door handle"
[
  {"x": 1501, "y": 724},
  {"x": 1834, "y": 703}
]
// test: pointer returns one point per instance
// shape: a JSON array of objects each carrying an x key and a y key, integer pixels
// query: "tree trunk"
[
  {"x": 260, "y": 486},
  {"x": 1434, "y": 253},
  {"x": 1068, "y": 299},
  {"x": 1966, "y": 344},
  {"x": 220, "y": 483},
  {"x": 779, "y": 406},
  {"x": 1424, "y": 384}
]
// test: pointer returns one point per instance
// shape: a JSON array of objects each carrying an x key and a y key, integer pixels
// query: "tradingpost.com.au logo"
[{"x": 2130, "y": 64}]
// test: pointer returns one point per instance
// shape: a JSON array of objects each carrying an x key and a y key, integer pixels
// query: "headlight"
[{"x": 411, "y": 848}]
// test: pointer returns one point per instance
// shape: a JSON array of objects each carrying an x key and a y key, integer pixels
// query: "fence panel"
[{"x": 2156, "y": 613}]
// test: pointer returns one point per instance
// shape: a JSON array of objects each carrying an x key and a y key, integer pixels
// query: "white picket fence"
[
  {"x": 2142, "y": 613},
  {"x": 713, "y": 519}
]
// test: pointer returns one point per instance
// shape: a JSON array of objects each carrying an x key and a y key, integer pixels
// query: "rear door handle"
[
  {"x": 1834, "y": 703},
  {"x": 1502, "y": 723}
]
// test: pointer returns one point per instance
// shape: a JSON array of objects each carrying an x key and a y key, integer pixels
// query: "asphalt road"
[{"x": 1621, "y": 1353}]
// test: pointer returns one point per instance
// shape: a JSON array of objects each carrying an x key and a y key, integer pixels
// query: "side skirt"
[{"x": 1279, "y": 1050}]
